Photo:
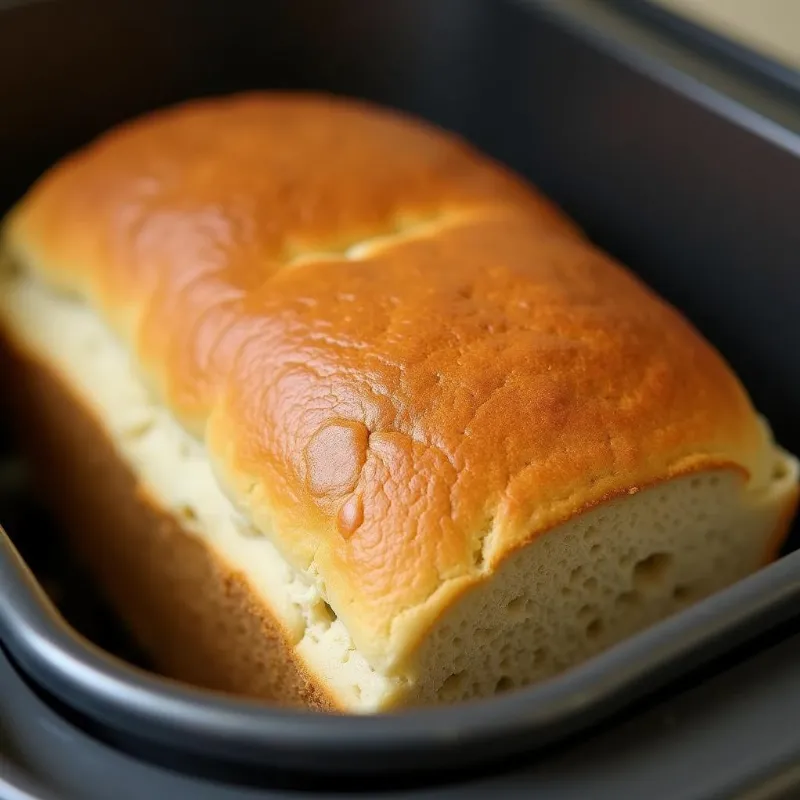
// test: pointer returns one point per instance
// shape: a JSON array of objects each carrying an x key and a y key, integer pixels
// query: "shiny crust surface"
[{"x": 404, "y": 361}]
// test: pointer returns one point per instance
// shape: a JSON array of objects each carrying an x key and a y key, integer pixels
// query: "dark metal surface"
[
  {"x": 685, "y": 170},
  {"x": 18, "y": 785},
  {"x": 731, "y": 737},
  {"x": 244, "y": 735}
]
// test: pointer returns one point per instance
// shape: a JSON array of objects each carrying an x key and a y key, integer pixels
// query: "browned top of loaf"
[{"x": 397, "y": 416}]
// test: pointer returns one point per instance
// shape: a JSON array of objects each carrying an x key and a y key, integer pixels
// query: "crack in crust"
[{"x": 400, "y": 229}]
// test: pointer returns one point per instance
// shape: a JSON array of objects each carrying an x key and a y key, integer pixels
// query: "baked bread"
[{"x": 340, "y": 412}]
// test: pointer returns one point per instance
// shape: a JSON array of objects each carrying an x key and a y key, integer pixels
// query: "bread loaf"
[{"x": 340, "y": 412}]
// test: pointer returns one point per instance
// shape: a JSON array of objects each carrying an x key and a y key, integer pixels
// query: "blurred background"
[{"x": 771, "y": 26}]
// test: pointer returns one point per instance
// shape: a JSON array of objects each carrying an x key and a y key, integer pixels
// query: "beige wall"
[{"x": 772, "y": 26}]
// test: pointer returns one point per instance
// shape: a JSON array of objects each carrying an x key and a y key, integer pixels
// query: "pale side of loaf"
[{"x": 441, "y": 444}]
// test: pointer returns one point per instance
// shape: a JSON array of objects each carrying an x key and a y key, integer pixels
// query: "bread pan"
[
  {"x": 14, "y": 785},
  {"x": 725, "y": 738},
  {"x": 682, "y": 168}
]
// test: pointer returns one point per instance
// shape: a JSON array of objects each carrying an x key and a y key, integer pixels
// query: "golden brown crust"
[
  {"x": 194, "y": 615},
  {"x": 399, "y": 419}
]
